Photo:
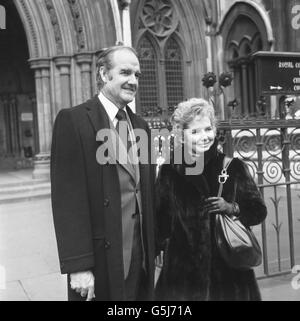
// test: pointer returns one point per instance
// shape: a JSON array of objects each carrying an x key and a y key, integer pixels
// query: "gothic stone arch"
[
  {"x": 64, "y": 38},
  {"x": 185, "y": 22},
  {"x": 245, "y": 29}
]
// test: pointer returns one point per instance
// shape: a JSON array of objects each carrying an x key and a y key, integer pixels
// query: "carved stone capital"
[
  {"x": 84, "y": 58},
  {"x": 40, "y": 63},
  {"x": 64, "y": 64},
  {"x": 62, "y": 61}
]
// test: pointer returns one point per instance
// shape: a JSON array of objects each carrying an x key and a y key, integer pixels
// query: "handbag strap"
[{"x": 223, "y": 176}]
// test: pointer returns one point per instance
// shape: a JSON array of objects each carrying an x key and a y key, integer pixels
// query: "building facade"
[{"x": 49, "y": 48}]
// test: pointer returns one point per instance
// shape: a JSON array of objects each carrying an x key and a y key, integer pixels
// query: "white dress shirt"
[{"x": 110, "y": 108}]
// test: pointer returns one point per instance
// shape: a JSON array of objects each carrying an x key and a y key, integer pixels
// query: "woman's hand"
[{"x": 217, "y": 205}]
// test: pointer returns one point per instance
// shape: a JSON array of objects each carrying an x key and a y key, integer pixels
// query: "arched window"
[
  {"x": 239, "y": 59},
  {"x": 162, "y": 59},
  {"x": 148, "y": 91},
  {"x": 245, "y": 30},
  {"x": 174, "y": 73},
  {"x": 161, "y": 84}
]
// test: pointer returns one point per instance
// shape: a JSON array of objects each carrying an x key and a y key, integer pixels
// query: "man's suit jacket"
[{"x": 86, "y": 201}]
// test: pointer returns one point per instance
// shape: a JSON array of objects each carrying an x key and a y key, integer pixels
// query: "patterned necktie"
[{"x": 121, "y": 116}]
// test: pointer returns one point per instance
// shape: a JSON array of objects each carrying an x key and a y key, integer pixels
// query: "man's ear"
[{"x": 103, "y": 74}]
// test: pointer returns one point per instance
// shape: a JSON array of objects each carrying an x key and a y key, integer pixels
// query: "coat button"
[
  {"x": 106, "y": 203},
  {"x": 107, "y": 245},
  {"x": 62, "y": 265}
]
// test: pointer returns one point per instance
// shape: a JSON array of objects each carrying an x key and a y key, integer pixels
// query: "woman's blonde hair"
[{"x": 187, "y": 111}]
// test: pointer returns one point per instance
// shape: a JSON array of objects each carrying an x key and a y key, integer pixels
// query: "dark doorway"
[{"x": 18, "y": 135}]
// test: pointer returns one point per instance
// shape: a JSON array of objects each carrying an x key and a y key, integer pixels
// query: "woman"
[{"x": 186, "y": 207}]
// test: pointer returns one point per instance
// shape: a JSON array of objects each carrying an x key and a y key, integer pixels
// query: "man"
[{"x": 103, "y": 213}]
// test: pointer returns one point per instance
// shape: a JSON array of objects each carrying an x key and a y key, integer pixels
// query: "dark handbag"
[{"x": 236, "y": 243}]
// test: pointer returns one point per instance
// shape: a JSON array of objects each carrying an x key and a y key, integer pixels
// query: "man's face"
[{"x": 121, "y": 81}]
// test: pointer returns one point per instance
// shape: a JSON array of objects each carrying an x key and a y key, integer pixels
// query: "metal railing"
[
  {"x": 271, "y": 148},
  {"x": 272, "y": 151}
]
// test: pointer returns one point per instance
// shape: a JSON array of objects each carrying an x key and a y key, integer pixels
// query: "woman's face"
[{"x": 199, "y": 136}]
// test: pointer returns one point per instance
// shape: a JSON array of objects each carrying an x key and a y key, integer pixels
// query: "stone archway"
[
  {"x": 64, "y": 38},
  {"x": 244, "y": 29},
  {"x": 155, "y": 24},
  {"x": 254, "y": 13},
  {"x": 18, "y": 122}
]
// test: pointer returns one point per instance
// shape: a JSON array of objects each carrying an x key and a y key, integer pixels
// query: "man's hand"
[
  {"x": 84, "y": 283},
  {"x": 217, "y": 205}
]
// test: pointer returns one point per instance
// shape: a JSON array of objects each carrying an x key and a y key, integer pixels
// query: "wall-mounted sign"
[
  {"x": 26, "y": 117},
  {"x": 277, "y": 72}
]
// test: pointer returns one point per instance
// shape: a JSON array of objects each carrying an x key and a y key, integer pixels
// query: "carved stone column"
[
  {"x": 44, "y": 116},
  {"x": 84, "y": 61},
  {"x": 6, "y": 110},
  {"x": 63, "y": 63},
  {"x": 125, "y": 7},
  {"x": 14, "y": 125},
  {"x": 32, "y": 98},
  {"x": 127, "y": 34},
  {"x": 245, "y": 106}
]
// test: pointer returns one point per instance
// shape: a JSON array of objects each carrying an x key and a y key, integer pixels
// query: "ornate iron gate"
[{"x": 272, "y": 150}]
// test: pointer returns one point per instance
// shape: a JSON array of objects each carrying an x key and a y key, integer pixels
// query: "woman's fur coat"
[{"x": 193, "y": 269}]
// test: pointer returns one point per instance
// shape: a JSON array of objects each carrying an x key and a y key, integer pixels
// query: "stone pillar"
[
  {"x": 245, "y": 106},
  {"x": 117, "y": 20},
  {"x": 14, "y": 125},
  {"x": 44, "y": 115},
  {"x": 125, "y": 7},
  {"x": 7, "y": 132},
  {"x": 127, "y": 34},
  {"x": 11, "y": 122},
  {"x": 63, "y": 63},
  {"x": 32, "y": 98},
  {"x": 84, "y": 60},
  {"x": 208, "y": 41},
  {"x": 252, "y": 98}
]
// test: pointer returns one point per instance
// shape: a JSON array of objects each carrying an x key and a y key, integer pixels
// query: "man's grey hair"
[{"x": 105, "y": 60}]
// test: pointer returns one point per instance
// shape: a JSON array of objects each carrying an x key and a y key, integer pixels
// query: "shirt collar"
[{"x": 109, "y": 107}]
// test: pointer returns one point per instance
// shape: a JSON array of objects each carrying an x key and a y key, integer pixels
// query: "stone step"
[
  {"x": 15, "y": 189},
  {"x": 19, "y": 192},
  {"x": 21, "y": 183},
  {"x": 15, "y": 163}
]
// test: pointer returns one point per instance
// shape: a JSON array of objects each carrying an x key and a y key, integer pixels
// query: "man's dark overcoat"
[{"x": 86, "y": 202}]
